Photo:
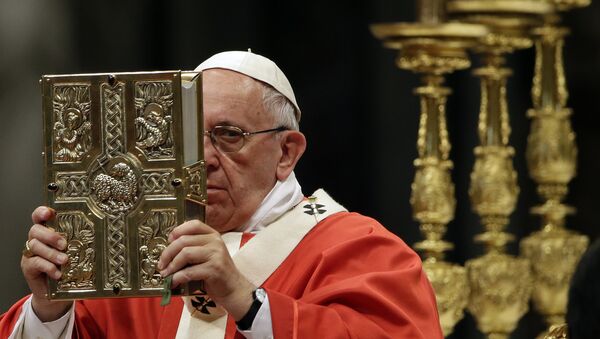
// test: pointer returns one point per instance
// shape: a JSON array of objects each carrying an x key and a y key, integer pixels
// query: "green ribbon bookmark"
[{"x": 166, "y": 291}]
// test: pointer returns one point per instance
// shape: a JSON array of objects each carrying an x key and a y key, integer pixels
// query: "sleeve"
[
  {"x": 262, "y": 326},
  {"x": 9, "y": 319},
  {"x": 27, "y": 325},
  {"x": 366, "y": 287}
]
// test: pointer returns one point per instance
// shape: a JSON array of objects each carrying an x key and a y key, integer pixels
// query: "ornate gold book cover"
[{"x": 123, "y": 166}]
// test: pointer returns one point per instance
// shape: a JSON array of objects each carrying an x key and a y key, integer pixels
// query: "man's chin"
[{"x": 216, "y": 219}]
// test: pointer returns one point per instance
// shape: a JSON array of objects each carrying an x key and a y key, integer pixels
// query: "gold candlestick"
[
  {"x": 434, "y": 48},
  {"x": 500, "y": 283},
  {"x": 552, "y": 159}
]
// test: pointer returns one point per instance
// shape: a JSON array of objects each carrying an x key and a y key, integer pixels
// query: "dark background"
[{"x": 359, "y": 115}]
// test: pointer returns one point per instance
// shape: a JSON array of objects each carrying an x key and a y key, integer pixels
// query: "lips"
[{"x": 214, "y": 192}]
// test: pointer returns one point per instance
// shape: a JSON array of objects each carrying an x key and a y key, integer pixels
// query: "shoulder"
[
  {"x": 350, "y": 225},
  {"x": 353, "y": 231}
]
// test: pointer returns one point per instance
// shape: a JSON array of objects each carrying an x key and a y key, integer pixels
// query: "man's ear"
[{"x": 293, "y": 145}]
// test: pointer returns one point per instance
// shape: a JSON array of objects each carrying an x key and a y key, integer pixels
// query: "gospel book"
[{"x": 123, "y": 166}]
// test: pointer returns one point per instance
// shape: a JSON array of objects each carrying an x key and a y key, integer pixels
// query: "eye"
[{"x": 228, "y": 133}]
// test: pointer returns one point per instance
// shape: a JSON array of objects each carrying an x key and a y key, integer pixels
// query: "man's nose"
[{"x": 210, "y": 153}]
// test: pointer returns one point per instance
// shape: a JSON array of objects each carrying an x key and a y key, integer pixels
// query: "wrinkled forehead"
[{"x": 233, "y": 98}]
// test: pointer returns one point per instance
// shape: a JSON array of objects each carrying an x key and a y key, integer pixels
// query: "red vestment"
[{"x": 348, "y": 278}]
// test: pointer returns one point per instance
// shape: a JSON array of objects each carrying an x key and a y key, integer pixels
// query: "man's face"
[{"x": 237, "y": 182}]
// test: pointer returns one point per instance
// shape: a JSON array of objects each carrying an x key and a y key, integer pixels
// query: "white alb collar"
[{"x": 284, "y": 195}]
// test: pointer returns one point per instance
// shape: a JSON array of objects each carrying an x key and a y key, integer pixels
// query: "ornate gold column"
[
  {"x": 434, "y": 48},
  {"x": 500, "y": 283},
  {"x": 552, "y": 162}
]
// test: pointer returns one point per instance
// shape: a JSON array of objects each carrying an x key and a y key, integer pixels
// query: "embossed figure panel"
[
  {"x": 71, "y": 126},
  {"x": 153, "y": 124},
  {"x": 78, "y": 272},
  {"x": 153, "y": 233},
  {"x": 115, "y": 175}
]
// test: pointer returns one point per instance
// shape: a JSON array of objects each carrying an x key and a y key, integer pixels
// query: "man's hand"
[
  {"x": 197, "y": 252},
  {"x": 46, "y": 246}
]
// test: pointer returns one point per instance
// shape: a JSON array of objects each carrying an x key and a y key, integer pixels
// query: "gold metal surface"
[
  {"x": 552, "y": 163},
  {"x": 433, "y": 48},
  {"x": 500, "y": 289},
  {"x": 114, "y": 170},
  {"x": 27, "y": 250},
  {"x": 558, "y": 332},
  {"x": 499, "y": 7},
  {"x": 501, "y": 284}
]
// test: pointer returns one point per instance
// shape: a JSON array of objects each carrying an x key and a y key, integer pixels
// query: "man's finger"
[
  {"x": 35, "y": 265},
  {"x": 47, "y": 236},
  {"x": 179, "y": 244},
  {"x": 190, "y": 227},
  {"x": 42, "y": 214},
  {"x": 192, "y": 273},
  {"x": 42, "y": 250},
  {"x": 188, "y": 256}
]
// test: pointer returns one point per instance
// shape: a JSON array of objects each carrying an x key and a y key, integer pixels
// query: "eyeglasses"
[{"x": 231, "y": 139}]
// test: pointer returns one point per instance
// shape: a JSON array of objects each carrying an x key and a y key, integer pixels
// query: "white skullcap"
[{"x": 255, "y": 66}]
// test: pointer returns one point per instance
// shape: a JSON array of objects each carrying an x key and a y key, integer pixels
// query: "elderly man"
[{"x": 274, "y": 263}]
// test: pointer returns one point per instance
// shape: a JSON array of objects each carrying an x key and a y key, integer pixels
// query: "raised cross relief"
[{"x": 113, "y": 163}]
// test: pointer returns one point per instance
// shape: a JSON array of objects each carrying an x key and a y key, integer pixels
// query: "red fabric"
[
  {"x": 9, "y": 319},
  {"x": 348, "y": 278}
]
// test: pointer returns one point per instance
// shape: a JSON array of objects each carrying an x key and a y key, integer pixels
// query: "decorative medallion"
[{"x": 116, "y": 191}]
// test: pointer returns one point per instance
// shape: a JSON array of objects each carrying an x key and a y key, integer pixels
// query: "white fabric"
[
  {"x": 261, "y": 256},
  {"x": 29, "y": 326},
  {"x": 262, "y": 326},
  {"x": 255, "y": 66},
  {"x": 284, "y": 195}
]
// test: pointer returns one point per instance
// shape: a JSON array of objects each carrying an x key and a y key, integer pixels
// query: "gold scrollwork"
[
  {"x": 196, "y": 182},
  {"x": 117, "y": 270},
  {"x": 432, "y": 196},
  {"x": 555, "y": 252},
  {"x": 451, "y": 289},
  {"x": 437, "y": 64},
  {"x": 500, "y": 290},
  {"x": 493, "y": 189},
  {"x": 551, "y": 151},
  {"x": 72, "y": 185},
  {"x": 113, "y": 111},
  {"x": 158, "y": 182}
]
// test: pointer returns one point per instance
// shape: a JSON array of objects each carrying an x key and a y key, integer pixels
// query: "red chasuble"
[{"x": 348, "y": 278}]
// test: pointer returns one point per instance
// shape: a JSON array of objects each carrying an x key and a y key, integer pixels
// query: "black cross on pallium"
[
  {"x": 202, "y": 304},
  {"x": 313, "y": 208}
]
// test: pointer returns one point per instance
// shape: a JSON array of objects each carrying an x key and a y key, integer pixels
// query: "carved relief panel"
[{"x": 113, "y": 168}]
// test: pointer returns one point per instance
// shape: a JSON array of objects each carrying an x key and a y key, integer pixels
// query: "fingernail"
[
  {"x": 57, "y": 275},
  {"x": 159, "y": 265},
  {"x": 62, "y": 258},
  {"x": 62, "y": 243},
  {"x": 163, "y": 273}
]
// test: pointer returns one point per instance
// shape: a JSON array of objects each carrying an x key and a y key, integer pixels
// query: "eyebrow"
[
  {"x": 230, "y": 123},
  {"x": 225, "y": 123}
]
